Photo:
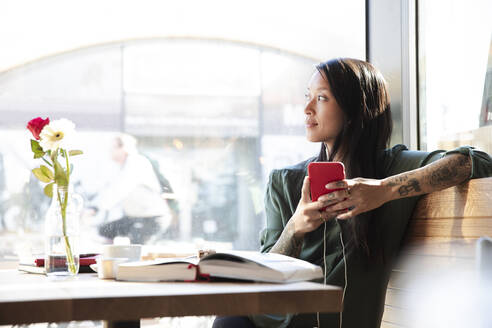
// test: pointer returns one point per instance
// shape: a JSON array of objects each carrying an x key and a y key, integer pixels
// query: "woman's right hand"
[{"x": 308, "y": 215}]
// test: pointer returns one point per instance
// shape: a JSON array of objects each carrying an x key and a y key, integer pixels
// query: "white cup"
[
  {"x": 113, "y": 255},
  {"x": 108, "y": 267}
]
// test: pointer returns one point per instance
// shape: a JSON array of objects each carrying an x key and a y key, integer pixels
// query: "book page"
[{"x": 163, "y": 261}]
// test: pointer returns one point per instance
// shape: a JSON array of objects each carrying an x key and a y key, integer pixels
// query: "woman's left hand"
[{"x": 363, "y": 195}]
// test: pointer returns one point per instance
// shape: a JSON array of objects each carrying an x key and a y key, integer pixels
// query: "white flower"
[{"x": 57, "y": 134}]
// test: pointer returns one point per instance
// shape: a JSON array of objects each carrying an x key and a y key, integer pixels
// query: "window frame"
[{"x": 392, "y": 46}]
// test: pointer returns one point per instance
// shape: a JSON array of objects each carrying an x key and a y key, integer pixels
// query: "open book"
[{"x": 245, "y": 265}]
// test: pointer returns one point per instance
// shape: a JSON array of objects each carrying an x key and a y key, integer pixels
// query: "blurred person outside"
[
  {"x": 131, "y": 204},
  {"x": 168, "y": 194}
]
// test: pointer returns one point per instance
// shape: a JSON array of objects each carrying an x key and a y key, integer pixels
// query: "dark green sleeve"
[
  {"x": 481, "y": 161},
  {"x": 273, "y": 211},
  {"x": 402, "y": 160}
]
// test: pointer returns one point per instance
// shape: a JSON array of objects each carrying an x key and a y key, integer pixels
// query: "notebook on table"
[{"x": 36, "y": 264}]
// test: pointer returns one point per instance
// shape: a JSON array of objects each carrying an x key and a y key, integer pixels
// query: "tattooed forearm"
[
  {"x": 288, "y": 243},
  {"x": 412, "y": 185},
  {"x": 446, "y": 172}
]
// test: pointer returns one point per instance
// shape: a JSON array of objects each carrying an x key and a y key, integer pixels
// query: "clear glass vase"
[{"x": 61, "y": 229}]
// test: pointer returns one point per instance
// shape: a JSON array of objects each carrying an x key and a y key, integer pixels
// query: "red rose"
[{"x": 36, "y": 125}]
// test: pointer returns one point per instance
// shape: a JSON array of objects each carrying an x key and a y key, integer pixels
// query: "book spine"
[{"x": 83, "y": 261}]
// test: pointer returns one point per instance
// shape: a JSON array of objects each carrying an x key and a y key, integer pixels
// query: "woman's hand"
[
  {"x": 309, "y": 215},
  {"x": 356, "y": 196}
]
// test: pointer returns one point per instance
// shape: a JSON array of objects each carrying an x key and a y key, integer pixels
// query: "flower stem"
[
  {"x": 63, "y": 206},
  {"x": 44, "y": 159},
  {"x": 71, "y": 261},
  {"x": 68, "y": 166}
]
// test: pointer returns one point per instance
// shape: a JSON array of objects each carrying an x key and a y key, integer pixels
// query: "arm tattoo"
[
  {"x": 398, "y": 180},
  {"x": 412, "y": 185},
  {"x": 444, "y": 173},
  {"x": 450, "y": 173},
  {"x": 288, "y": 244}
]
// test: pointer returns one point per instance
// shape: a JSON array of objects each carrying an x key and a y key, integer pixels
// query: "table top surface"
[{"x": 27, "y": 298}]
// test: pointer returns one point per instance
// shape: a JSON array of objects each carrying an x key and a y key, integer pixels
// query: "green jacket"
[{"x": 366, "y": 288}]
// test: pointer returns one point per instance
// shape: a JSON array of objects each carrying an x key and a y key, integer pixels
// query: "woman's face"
[{"x": 324, "y": 118}]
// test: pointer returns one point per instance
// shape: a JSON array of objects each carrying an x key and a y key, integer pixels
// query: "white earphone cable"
[
  {"x": 324, "y": 265},
  {"x": 345, "y": 267},
  {"x": 324, "y": 271}
]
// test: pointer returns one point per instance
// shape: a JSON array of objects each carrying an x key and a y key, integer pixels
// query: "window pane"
[
  {"x": 79, "y": 85},
  {"x": 455, "y": 71}
]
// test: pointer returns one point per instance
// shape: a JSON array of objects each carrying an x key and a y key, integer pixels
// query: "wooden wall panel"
[
  {"x": 468, "y": 227},
  {"x": 395, "y": 315},
  {"x": 441, "y": 237},
  {"x": 424, "y": 263},
  {"x": 396, "y": 297},
  {"x": 386, "y": 324},
  {"x": 440, "y": 246},
  {"x": 472, "y": 199}
]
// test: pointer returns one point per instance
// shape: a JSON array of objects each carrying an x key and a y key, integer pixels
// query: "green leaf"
[
  {"x": 60, "y": 175},
  {"x": 75, "y": 152},
  {"x": 48, "y": 190},
  {"x": 36, "y": 149},
  {"x": 47, "y": 172},
  {"x": 38, "y": 173}
]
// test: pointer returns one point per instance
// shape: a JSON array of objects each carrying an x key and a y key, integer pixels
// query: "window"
[
  {"x": 455, "y": 74},
  {"x": 214, "y": 106}
]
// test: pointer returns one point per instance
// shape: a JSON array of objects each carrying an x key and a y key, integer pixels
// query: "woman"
[{"x": 347, "y": 110}]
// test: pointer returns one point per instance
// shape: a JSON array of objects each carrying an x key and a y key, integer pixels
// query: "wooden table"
[{"x": 30, "y": 298}]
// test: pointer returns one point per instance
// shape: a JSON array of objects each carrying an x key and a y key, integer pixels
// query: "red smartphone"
[{"x": 322, "y": 173}]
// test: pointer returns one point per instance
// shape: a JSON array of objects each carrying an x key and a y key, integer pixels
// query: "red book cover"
[{"x": 84, "y": 260}]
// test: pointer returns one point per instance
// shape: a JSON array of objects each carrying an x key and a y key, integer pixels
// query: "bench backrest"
[{"x": 441, "y": 235}]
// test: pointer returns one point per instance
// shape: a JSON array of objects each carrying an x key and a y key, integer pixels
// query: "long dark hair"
[{"x": 360, "y": 91}]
